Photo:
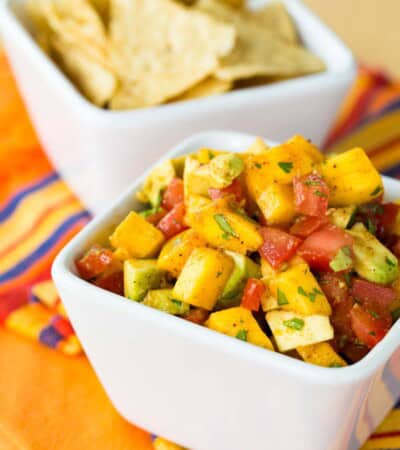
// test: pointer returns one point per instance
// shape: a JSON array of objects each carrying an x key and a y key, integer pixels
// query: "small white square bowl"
[
  {"x": 98, "y": 152},
  {"x": 208, "y": 391}
]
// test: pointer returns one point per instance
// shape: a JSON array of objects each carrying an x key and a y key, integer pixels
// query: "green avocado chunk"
[
  {"x": 158, "y": 179},
  {"x": 141, "y": 275},
  {"x": 341, "y": 217},
  {"x": 163, "y": 300},
  {"x": 373, "y": 261},
  {"x": 222, "y": 170},
  {"x": 244, "y": 268}
]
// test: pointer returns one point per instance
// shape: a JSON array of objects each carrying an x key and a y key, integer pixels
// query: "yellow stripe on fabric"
[
  {"x": 387, "y": 158},
  {"x": 391, "y": 423},
  {"x": 29, "y": 320},
  {"x": 372, "y": 135},
  {"x": 30, "y": 210},
  {"x": 382, "y": 443},
  {"x": 40, "y": 234}
]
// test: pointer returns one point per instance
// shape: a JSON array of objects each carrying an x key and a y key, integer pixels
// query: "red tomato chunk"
[
  {"x": 234, "y": 189},
  {"x": 173, "y": 195},
  {"x": 172, "y": 224},
  {"x": 94, "y": 262},
  {"x": 369, "y": 327},
  {"x": 311, "y": 195},
  {"x": 113, "y": 282},
  {"x": 306, "y": 225},
  {"x": 278, "y": 246},
  {"x": 320, "y": 248},
  {"x": 252, "y": 294}
]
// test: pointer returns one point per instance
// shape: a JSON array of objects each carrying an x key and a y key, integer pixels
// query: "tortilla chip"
[
  {"x": 103, "y": 9},
  {"x": 275, "y": 17},
  {"x": 207, "y": 87},
  {"x": 161, "y": 49},
  {"x": 77, "y": 40},
  {"x": 258, "y": 51},
  {"x": 41, "y": 29}
]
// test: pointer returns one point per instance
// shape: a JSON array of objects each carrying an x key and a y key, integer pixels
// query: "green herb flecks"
[
  {"x": 242, "y": 335},
  {"x": 342, "y": 260},
  {"x": 396, "y": 314},
  {"x": 389, "y": 262},
  {"x": 370, "y": 226},
  {"x": 258, "y": 165},
  {"x": 376, "y": 191},
  {"x": 347, "y": 279},
  {"x": 310, "y": 295},
  {"x": 374, "y": 314},
  {"x": 312, "y": 183},
  {"x": 335, "y": 364},
  {"x": 286, "y": 166},
  {"x": 282, "y": 299},
  {"x": 320, "y": 194},
  {"x": 294, "y": 324},
  {"x": 225, "y": 226}
]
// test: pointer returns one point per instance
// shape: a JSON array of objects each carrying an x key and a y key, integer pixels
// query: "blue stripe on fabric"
[
  {"x": 14, "y": 202},
  {"x": 23, "y": 265},
  {"x": 393, "y": 172}
]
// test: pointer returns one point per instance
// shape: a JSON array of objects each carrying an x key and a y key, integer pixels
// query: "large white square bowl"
[
  {"x": 98, "y": 152},
  {"x": 208, "y": 391}
]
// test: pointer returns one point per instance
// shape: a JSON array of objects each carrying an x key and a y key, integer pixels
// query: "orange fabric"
[{"x": 51, "y": 402}]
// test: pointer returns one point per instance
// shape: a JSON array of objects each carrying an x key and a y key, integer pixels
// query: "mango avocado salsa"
[{"x": 284, "y": 248}]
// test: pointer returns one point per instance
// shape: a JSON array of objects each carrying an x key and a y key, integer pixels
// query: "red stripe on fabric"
[
  {"x": 37, "y": 223},
  {"x": 387, "y": 434},
  {"x": 358, "y": 111},
  {"x": 376, "y": 151}
]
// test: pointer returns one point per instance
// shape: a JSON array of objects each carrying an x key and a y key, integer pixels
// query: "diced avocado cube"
[
  {"x": 163, "y": 300},
  {"x": 244, "y": 268},
  {"x": 341, "y": 217},
  {"x": 373, "y": 261},
  {"x": 221, "y": 170},
  {"x": 158, "y": 179},
  {"x": 141, "y": 275}
]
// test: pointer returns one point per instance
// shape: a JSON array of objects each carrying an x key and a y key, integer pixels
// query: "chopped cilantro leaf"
[
  {"x": 282, "y": 299},
  {"x": 301, "y": 291},
  {"x": 294, "y": 324},
  {"x": 371, "y": 226},
  {"x": 376, "y": 191},
  {"x": 225, "y": 226},
  {"x": 389, "y": 262},
  {"x": 374, "y": 314},
  {"x": 335, "y": 364},
  {"x": 242, "y": 335},
  {"x": 320, "y": 194},
  {"x": 258, "y": 165},
  {"x": 347, "y": 279},
  {"x": 286, "y": 166}
]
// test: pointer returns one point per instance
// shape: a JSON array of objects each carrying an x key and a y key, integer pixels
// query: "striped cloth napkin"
[{"x": 39, "y": 213}]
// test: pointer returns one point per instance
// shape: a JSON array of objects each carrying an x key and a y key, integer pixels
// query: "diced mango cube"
[
  {"x": 292, "y": 330},
  {"x": 276, "y": 203},
  {"x": 303, "y": 145},
  {"x": 321, "y": 354},
  {"x": 205, "y": 155},
  {"x": 137, "y": 237},
  {"x": 352, "y": 178},
  {"x": 225, "y": 228},
  {"x": 257, "y": 147},
  {"x": 177, "y": 250},
  {"x": 238, "y": 322},
  {"x": 203, "y": 277},
  {"x": 296, "y": 289}
]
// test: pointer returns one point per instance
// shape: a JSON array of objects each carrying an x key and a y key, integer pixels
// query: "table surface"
[{"x": 369, "y": 27}]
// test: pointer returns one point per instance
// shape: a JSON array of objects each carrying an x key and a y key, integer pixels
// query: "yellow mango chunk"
[
  {"x": 203, "y": 277},
  {"x": 177, "y": 250},
  {"x": 268, "y": 272},
  {"x": 225, "y": 228},
  {"x": 257, "y": 147},
  {"x": 238, "y": 322},
  {"x": 321, "y": 354},
  {"x": 137, "y": 237},
  {"x": 352, "y": 178},
  {"x": 303, "y": 145},
  {"x": 193, "y": 182},
  {"x": 297, "y": 290},
  {"x": 193, "y": 203},
  {"x": 292, "y": 330},
  {"x": 276, "y": 203},
  {"x": 277, "y": 165},
  {"x": 205, "y": 155}
]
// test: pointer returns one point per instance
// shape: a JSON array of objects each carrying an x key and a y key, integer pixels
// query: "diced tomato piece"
[
  {"x": 234, "y": 189},
  {"x": 387, "y": 219},
  {"x": 372, "y": 295},
  {"x": 355, "y": 352},
  {"x": 252, "y": 294},
  {"x": 334, "y": 287},
  {"x": 306, "y": 225},
  {"x": 172, "y": 224},
  {"x": 197, "y": 315},
  {"x": 311, "y": 195},
  {"x": 94, "y": 262},
  {"x": 278, "y": 246},
  {"x": 396, "y": 248},
  {"x": 157, "y": 216},
  {"x": 341, "y": 320},
  {"x": 173, "y": 195},
  {"x": 322, "y": 246},
  {"x": 369, "y": 327},
  {"x": 113, "y": 282}
]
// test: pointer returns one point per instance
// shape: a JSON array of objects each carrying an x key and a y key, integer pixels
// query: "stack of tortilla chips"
[{"x": 127, "y": 54}]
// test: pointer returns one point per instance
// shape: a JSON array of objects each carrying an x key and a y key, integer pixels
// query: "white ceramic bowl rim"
[
  {"x": 64, "y": 267},
  {"x": 177, "y": 108}
]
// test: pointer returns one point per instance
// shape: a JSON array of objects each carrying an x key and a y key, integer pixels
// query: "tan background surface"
[{"x": 371, "y": 28}]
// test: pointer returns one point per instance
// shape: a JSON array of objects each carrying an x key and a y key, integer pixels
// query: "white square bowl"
[
  {"x": 98, "y": 152},
  {"x": 208, "y": 391}
]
